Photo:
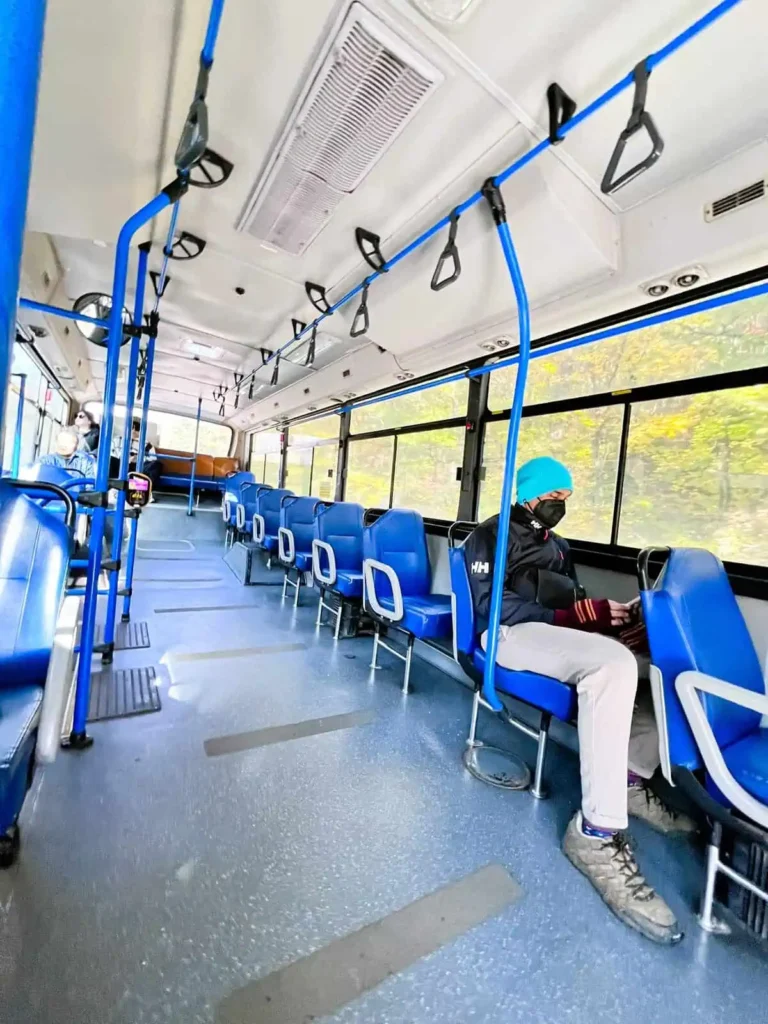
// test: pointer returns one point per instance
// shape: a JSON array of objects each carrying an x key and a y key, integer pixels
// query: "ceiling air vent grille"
[
  {"x": 366, "y": 87},
  {"x": 734, "y": 201}
]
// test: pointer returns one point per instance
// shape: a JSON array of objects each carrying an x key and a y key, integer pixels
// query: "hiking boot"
[
  {"x": 643, "y": 803},
  {"x": 611, "y": 867}
]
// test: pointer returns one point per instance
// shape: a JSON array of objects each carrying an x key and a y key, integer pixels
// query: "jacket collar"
[{"x": 520, "y": 514}]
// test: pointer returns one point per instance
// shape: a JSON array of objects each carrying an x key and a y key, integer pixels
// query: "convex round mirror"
[{"x": 98, "y": 306}]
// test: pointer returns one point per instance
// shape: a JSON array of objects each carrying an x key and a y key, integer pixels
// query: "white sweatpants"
[{"x": 614, "y": 734}]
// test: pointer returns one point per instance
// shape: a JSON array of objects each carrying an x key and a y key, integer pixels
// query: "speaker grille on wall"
[{"x": 364, "y": 90}]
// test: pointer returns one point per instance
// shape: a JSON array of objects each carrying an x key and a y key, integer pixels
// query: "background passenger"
[
  {"x": 548, "y": 626},
  {"x": 88, "y": 431},
  {"x": 151, "y": 467},
  {"x": 66, "y": 455}
]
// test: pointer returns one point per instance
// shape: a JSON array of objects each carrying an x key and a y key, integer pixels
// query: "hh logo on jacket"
[{"x": 480, "y": 567}]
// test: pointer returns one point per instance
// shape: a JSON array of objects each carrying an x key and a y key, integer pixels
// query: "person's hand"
[{"x": 621, "y": 614}]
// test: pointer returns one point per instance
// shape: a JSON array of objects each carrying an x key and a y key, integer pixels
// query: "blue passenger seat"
[
  {"x": 710, "y": 699},
  {"x": 547, "y": 695},
  {"x": 295, "y": 535},
  {"x": 232, "y": 486},
  {"x": 266, "y": 519},
  {"x": 34, "y": 558},
  {"x": 246, "y": 505},
  {"x": 337, "y": 559},
  {"x": 397, "y": 580}
]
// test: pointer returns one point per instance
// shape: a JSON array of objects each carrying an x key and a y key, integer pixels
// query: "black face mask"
[{"x": 549, "y": 512}]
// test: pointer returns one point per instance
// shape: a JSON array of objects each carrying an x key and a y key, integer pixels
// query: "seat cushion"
[
  {"x": 19, "y": 713},
  {"x": 303, "y": 561},
  {"x": 543, "y": 692},
  {"x": 270, "y": 542},
  {"x": 427, "y": 617},
  {"x": 747, "y": 761},
  {"x": 349, "y": 583}
]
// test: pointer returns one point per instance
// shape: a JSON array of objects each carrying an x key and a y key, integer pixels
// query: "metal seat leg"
[
  {"x": 298, "y": 589},
  {"x": 339, "y": 613},
  {"x": 408, "y": 653},
  {"x": 706, "y": 919},
  {"x": 319, "y": 619},
  {"x": 374, "y": 663},
  {"x": 538, "y": 790}
]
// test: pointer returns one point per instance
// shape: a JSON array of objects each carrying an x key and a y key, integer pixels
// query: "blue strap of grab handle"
[
  {"x": 212, "y": 32},
  {"x": 625, "y": 83}
]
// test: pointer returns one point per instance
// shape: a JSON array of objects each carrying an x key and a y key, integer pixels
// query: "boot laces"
[{"x": 624, "y": 860}]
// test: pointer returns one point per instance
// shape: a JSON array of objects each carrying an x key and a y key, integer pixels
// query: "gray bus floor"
[{"x": 155, "y": 880}]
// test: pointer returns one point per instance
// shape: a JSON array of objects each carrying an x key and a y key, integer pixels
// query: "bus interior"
[{"x": 289, "y": 293}]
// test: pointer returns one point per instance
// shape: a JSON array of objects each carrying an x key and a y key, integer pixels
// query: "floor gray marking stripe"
[
  {"x": 281, "y": 733},
  {"x": 178, "y": 579},
  {"x": 325, "y": 981},
  {"x": 205, "y": 608},
  {"x": 236, "y": 652}
]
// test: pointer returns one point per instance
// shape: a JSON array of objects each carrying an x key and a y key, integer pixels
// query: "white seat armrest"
[
  {"x": 226, "y": 510},
  {"x": 757, "y": 702},
  {"x": 370, "y": 567},
  {"x": 327, "y": 579},
  {"x": 240, "y": 517},
  {"x": 286, "y": 546},
  {"x": 688, "y": 686},
  {"x": 259, "y": 528}
]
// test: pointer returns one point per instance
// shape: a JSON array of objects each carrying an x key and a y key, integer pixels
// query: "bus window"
[{"x": 369, "y": 471}]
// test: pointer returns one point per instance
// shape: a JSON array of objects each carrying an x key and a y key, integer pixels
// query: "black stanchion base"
[
  {"x": 125, "y": 617},
  {"x": 77, "y": 741},
  {"x": 108, "y": 655}
]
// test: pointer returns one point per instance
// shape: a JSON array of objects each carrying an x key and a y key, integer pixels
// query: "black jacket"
[{"x": 530, "y": 546}]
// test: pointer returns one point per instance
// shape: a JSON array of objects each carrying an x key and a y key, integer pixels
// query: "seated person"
[
  {"x": 549, "y": 627},
  {"x": 88, "y": 431},
  {"x": 66, "y": 455},
  {"x": 151, "y": 467}
]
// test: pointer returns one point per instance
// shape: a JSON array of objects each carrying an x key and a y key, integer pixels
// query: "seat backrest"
[
  {"x": 341, "y": 526},
  {"x": 694, "y": 623},
  {"x": 174, "y": 467},
  {"x": 34, "y": 559},
  {"x": 50, "y": 475},
  {"x": 223, "y": 466},
  {"x": 465, "y": 632},
  {"x": 268, "y": 506},
  {"x": 298, "y": 516},
  {"x": 235, "y": 483},
  {"x": 203, "y": 467},
  {"x": 398, "y": 539}
]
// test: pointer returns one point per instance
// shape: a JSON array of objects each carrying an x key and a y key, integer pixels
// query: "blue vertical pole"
[
  {"x": 496, "y": 202},
  {"x": 125, "y": 456},
  {"x": 78, "y": 738},
  {"x": 21, "y": 44},
  {"x": 16, "y": 457},
  {"x": 191, "y": 507},
  {"x": 133, "y": 537}
]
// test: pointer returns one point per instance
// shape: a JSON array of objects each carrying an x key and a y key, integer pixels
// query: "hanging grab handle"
[
  {"x": 316, "y": 295},
  {"x": 186, "y": 247},
  {"x": 369, "y": 245},
  {"x": 311, "y": 347},
  {"x": 214, "y": 170},
  {"x": 450, "y": 252},
  {"x": 639, "y": 119},
  {"x": 561, "y": 110},
  {"x": 362, "y": 313}
]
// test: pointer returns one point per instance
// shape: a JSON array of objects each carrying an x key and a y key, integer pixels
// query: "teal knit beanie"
[{"x": 540, "y": 476}]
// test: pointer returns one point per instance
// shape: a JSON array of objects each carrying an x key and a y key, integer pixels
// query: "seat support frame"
[{"x": 378, "y": 642}]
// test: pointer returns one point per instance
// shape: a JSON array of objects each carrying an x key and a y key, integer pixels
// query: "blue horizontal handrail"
[
  {"x": 652, "y": 61},
  {"x": 66, "y": 314}
]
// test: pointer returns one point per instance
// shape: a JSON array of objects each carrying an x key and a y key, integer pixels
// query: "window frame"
[{"x": 746, "y": 578}]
